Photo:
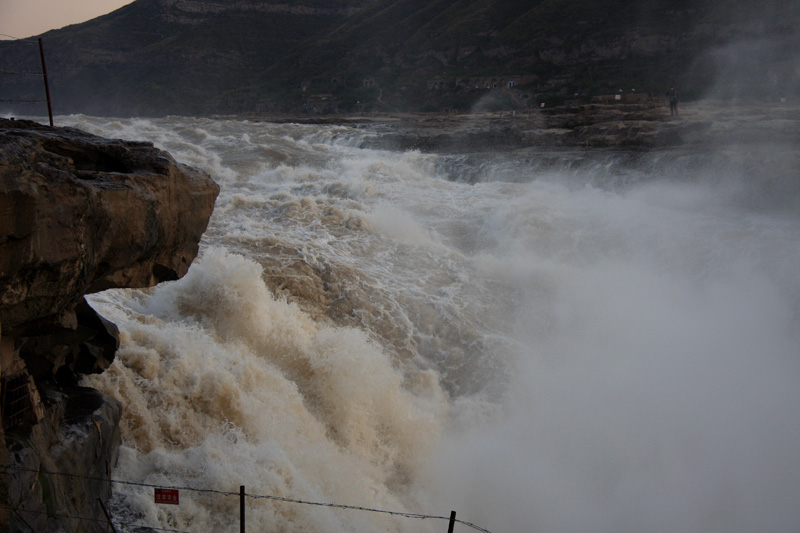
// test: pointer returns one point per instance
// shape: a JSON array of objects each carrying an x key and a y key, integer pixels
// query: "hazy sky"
[{"x": 24, "y": 18}]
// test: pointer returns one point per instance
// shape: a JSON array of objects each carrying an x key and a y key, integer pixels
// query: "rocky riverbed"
[
  {"x": 735, "y": 139},
  {"x": 648, "y": 126}
]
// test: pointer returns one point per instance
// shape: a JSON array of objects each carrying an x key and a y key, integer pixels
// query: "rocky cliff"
[
  {"x": 156, "y": 57},
  {"x": 78, "y": 214}
]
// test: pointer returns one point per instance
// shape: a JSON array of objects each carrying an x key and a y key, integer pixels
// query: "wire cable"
[
  {"x": 88, "y": 519},
  {"x": 254, "y": 496},
  {"x": 19, "y": 39},
  {"x": 14, "y": 73}
]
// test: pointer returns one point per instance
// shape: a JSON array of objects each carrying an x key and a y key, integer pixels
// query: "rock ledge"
[{"x": 78, "y": 214}]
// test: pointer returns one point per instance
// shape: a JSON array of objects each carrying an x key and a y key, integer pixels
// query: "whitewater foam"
[{"x": 540, "y": 346}]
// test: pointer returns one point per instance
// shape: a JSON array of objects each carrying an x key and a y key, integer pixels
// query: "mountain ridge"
[{"x": 155, "y": 57}]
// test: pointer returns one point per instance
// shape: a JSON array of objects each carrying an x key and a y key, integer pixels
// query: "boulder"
[{"x": 80, "y": 214}]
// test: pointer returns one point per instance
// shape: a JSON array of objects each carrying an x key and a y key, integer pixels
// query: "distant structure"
[
  {"x": 440, "y": 83},
  {"x": 474, "y": 83},
  {"x": 493, "y": 82},
  {"x": 320, "y": 104},
  {"x": 624, "y": 98}
]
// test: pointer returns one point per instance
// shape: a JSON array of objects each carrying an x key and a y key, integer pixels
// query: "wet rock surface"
[{"x": 59, "y": 468}]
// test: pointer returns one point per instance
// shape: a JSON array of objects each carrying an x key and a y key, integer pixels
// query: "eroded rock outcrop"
[{"x": 78, "y": 214}]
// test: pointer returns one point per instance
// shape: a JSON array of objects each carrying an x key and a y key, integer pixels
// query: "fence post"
[
  {"x": 46, "y": 86},
  {"x": 108, "y": 516},
  {"x": 452, "y": 522},
  {"x": 241, "y": 508}
]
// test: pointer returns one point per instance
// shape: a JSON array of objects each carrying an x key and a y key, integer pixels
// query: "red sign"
[{"x": 166, "y": 496}]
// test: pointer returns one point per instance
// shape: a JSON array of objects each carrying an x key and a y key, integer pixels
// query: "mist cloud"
[{"x": 658, "y": 387}]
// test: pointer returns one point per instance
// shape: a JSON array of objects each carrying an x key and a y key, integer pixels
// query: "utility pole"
[
  {"x": 46, "y": 86},
  {"x": 241, "y": 508}
]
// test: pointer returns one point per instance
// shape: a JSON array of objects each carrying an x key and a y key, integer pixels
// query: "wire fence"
[
  {"x": 43, "y": 73},
  {"x": 7, "y": 469},
  {"x": 49, "y": 514}
]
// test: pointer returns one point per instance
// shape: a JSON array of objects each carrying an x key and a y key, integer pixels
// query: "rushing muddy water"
[{"x": 540, "y": 347}]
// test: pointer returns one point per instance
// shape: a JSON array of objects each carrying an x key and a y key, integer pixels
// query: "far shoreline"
[{"x": 700, "y": 125}]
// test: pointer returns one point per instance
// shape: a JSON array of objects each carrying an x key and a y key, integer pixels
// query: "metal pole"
[
  {"x": 46, "y": 86},
  {"x": 108, "y": 516},
  {"x": 452, "y": 522},
  {"x": 241, "y": 508}
]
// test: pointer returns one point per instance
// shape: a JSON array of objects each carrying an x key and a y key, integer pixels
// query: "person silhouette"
[{"x": 672, "y": 96}]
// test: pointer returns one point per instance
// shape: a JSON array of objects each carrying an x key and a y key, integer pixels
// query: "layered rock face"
[{"x": 78, "y": 214}]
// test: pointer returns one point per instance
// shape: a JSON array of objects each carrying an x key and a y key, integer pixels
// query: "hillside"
[
  {"x": 199, "y": 57},
  {"x": 166, "y": 56},
  {"x": 552, "y": 49}
]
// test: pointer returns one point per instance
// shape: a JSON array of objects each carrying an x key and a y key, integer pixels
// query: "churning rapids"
[{"x": 537, "y": 348}]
